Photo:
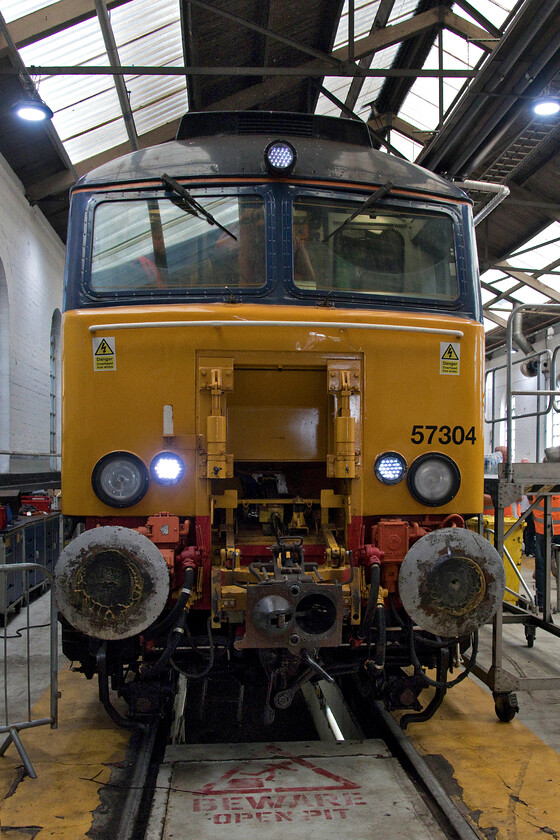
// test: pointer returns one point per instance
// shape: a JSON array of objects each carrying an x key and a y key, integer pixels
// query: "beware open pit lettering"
[
  {"x": 283, "y": 807},
  {"x": 296, "y": 789}
]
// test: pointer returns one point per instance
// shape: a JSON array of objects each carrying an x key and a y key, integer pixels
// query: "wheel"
[
  {"x": 505, "y": 705},
  {"x": 530, "y": 633}
]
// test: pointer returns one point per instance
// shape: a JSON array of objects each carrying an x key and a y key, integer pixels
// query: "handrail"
[
  {"x": 542, "y": 308},
  {"x": 335, "y": 325}
]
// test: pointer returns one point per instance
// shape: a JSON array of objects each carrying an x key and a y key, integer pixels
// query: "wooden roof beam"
[
  {"x": 416, "y": 25},
  {"x": 392, "y": 121},
  {"x": 529, "y": 280}
]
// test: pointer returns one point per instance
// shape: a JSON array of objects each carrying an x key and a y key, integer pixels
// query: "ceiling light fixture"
[
  {"x": 32, "y": 110},
  {"x": 546, "y": 106}
]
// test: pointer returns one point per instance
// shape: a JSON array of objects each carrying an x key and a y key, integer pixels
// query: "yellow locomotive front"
[{"x": 272, "y": 416}]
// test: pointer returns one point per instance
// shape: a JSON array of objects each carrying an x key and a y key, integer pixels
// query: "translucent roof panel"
[
  {"x": 84, "y": 116},
  {"x": 96, "y": 140},
  {"x": 541, "y": 251},
  {"x": 504, "y": 285},
  {"x": 405, "y": 145},
  {"x": 421, "y": 106},
  {"x": 496, "y": 11},
  {"x": 14, "y": 9},
  {"x": 364, "y": 16},
  {"x": 526, "y": 294},
  {"x": 339, "y": 88},
  {"x": 87, "y": 113},
  {"x": 489, "y": 325},
  {"x": 160, "y": 111},
  {"x": 402, "y": 9},
  {"x": 492, "y": 275},
  {"x": 486, "y": 296}
]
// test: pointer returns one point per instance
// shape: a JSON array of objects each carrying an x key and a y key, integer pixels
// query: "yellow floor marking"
[
  {"x": 71, "y": 763},
  {"x": 507, "y": 774}
]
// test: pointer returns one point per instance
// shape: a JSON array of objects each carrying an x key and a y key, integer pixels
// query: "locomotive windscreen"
[
  {"x": 380, "y": 251},
  {"x": 162, "y": 244}
]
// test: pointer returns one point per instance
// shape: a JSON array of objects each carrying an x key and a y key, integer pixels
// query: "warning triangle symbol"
[
  {"x": 450, "y": 354},
  {"x": 286, "y": 775},
  {"x": 104, "y": 349}
]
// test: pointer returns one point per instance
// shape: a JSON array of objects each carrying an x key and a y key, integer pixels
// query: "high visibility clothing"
[
  {"x": 511, "y": 510},
  {"x": 538, "y": 515}
]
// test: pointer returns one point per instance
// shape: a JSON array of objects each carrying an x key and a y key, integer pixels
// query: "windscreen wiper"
[
  {"x": 193, "y": 206},
  {"x": 369, "y": 202}
]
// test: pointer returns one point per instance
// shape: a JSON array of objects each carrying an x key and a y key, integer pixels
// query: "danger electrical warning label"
[
  {"x": 449, "y": 358},
  {"x": 104, "y": 353}
]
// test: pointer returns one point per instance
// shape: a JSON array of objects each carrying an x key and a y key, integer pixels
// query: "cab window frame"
[
  {"x": 184, "y": 292},
  {"x": 371, "y": 298}
]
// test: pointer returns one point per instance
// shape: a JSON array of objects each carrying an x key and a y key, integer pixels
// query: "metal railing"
[
  {"x": 551, "y": 393},
  {"x": 22, "y": 646}
]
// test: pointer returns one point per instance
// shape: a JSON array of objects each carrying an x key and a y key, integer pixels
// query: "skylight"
[
  {"x": 421, "y": 106},
  {"x": 87, "y": 113}
]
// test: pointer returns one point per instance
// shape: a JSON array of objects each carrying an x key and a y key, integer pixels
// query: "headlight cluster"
[
  {"x": 280, "y": 157},
  {"x": 121, "y": 479},
  {"x": 433, "y": 478}
]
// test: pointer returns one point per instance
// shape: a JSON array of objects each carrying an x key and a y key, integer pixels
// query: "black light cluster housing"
[
  {"x": 121, "y": 479},
  {"x": 433, "y": 478},
  {"x": 280, "y": 157}
]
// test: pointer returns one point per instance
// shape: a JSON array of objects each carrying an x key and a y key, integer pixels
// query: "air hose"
[
  {"x": 437, "y": 683},
  {"x": 172, "y": 617},
  {"x": 150, "y": 672},
  {"x": 178, "y": 617}
]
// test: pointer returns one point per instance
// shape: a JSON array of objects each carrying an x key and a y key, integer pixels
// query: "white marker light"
[
  {"x": 280, "y": 157},
  {"x": 167, "y": 468},
  {"x": 390, "y": 468}
]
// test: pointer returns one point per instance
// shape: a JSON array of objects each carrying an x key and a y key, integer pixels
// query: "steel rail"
[
  {"x": 457, "y": 821},
  {"x": 130, "y": 813},
  {"x": 331, "y": 698}
]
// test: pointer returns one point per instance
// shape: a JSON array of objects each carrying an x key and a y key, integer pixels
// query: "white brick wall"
[{"x": 32, "y": 262}]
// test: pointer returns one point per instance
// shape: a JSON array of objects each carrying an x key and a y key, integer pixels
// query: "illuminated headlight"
[
  {"x": 390, "y": 468},
  {"x": 280, "y": 157},
  {"x": 434, "y": 479},
  {"x": 120, "y": 479},
  {"x": 167, "y": 468}
]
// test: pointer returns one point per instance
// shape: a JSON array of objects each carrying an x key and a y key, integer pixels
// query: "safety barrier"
[{"x": 28, "y": 654}]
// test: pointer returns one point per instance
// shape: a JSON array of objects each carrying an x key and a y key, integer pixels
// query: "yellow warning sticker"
[
  {"x": 449, "y": 358},
  {"x": 104, "y": 357}
]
